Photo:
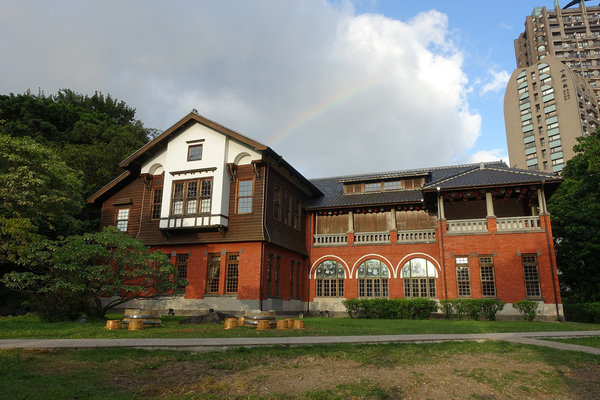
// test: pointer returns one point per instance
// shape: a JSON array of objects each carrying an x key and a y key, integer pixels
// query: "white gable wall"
[{"x": 217, "y": 150}]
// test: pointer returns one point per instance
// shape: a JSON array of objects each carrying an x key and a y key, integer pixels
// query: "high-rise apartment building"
[
  {"x": 546, "y": 107},
  {"x": 552, "y": 96}
]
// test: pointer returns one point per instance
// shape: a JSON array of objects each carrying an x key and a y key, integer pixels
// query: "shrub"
[
  {"x": 471, "y": 308},
  {"x": 527, "y": 308},
  {"x": 390, "y": 308},
  {"x": 582, "y": 312}
]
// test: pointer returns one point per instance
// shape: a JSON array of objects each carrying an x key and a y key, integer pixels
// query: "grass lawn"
[
  {"x": 30, "y": 327},
  {"x": 462, "y": 370},
  {"x": 586, "y": 341}
]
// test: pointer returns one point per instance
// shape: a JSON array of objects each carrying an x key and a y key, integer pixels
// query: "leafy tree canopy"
[
  {"x": 39, "y": 195},
  {"x": 70, "y": 276},
  {"x": 575, "y": 209},
  {"x": 91, "y": 134}
]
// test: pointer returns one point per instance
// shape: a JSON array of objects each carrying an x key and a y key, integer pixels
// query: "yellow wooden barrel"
[
  {"x": 263, "y": 325},
  {"x": 113, "y": 324},
  {"x": 135, "y": 325},
  {"x": 298, "y": 324},
  {"x": 282, "y": 324},
  {"x": 231, "y": 323}
]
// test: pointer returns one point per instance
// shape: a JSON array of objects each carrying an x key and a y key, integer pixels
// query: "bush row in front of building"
[
  {"x": 471, "y": 308},
  {"x": 582, "y": 312},
  {"x": 390, "y": 308}
]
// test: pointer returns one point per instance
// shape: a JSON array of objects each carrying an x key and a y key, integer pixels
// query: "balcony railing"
[
  {"x": 417, "y": 236},
  {"x": 371, "y": 237},
  {"x": 194, "y": 222},
  {"x": 331, "y": 239},
  {"x": 516, "y": 224},
  {"x": 467, "y": 226}
]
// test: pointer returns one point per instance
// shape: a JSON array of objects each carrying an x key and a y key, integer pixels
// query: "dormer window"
[
  {"x": 383, "y": 186},
  {"x": 195, "y": 152},
  {"x": 373, "y": 187}
]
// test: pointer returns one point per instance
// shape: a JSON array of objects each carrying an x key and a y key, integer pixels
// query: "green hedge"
[
  {"x": 582, "y": 312},
  {"x": 390, "y": 308},
  {"x": 471, "y": 308},
  {"x": 527, "y": 308}
]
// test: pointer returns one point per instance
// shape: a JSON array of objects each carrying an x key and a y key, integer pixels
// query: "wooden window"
[
  {"x": 419, "y": 276},
  {"x": 330, "y": 279},
  {"x": 277, "y": 202},
  {"x": 122, "y": 219},
  {"x": 298, "y": 215},
  {"x": 194, "y": 152},
  {"x": 350, "y": 188},
  {"x": 373, "y": 187},
  {"x": 286, "y": 208},
  {"x": 531, "y": 274},
  {"x": 292, "y": 278},
  {"x": 181, "y": 263},
  {"x": 488, "y": 280},
  {"x": 191, "y": 197},
  {"x": 277, "y": 272},
  {"x": 231, "y": 277},
  {"x": 156, "y": 203},
  {"x": 269, "y": 272},
  {"x": 373, "y": 278},
  {"x": 463, "y": 281},
  {"x": 392, "y": 185},
  {"x": 244, "y": 197},
  {"x": 213, "y": 273},
  {"x": 298, "y": 267}
]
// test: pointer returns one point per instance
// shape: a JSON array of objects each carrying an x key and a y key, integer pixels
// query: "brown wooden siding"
[
  {"x": 277, "y": 230},
  {"x": 242, "y": 227},
  {"x": 332, "y": 224},
  {"x": 412, "y": 220}
]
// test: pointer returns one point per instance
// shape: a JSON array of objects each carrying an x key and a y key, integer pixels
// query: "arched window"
[
  {"x": 330, "y": 279},
  {"x": 373, "y": 278},
  {"x": 419, "y": 277}
]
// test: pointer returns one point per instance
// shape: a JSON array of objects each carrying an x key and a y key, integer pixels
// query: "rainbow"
[{"x": 323, "y": 107}]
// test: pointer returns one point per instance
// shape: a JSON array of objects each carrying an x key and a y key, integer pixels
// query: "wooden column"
[
  {"x": 350, "y": 222},
  {"x": 441, "y": 213},
  {"x": 542, "y": 202},
  {"x": 489, "y": 204}
]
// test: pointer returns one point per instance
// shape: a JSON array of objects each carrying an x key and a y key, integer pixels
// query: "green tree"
[
  {"x": 575, "y": 209},
  {"x": 91, "y": 134},
  {"x": 71, "y": 276},
  {"x": 39, "y": 196}
]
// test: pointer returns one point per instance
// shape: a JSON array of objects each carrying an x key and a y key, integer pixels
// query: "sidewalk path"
[{"x": 209, "y": 344}]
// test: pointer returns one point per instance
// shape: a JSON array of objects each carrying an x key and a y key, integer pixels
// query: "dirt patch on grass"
[{"x": 455, "y": 377}]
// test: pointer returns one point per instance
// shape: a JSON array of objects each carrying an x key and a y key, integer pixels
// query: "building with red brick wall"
[{"x": 249, "y": 232}]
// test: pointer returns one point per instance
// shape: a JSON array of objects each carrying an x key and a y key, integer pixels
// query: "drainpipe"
[
  {"x": 440, "y": 203},
  {"x": 268, "y": 237},
  {"x": 550, "y": 253}
]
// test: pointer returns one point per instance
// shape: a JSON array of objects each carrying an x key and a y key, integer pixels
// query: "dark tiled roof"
[
  {"x": 450, "y": 177},
  {"x": 492, "y": 176}
]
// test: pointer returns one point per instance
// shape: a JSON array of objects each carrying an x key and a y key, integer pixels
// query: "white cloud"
[
  {"x": 496, "y": 83},
  {"x": 332, "y": 91},
  {"x": 488, "y": 155}
]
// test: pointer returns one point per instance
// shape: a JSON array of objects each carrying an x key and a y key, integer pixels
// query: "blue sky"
[
  {"x": 484, "y": 31},
  {"x": 336, "y": 87}
]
